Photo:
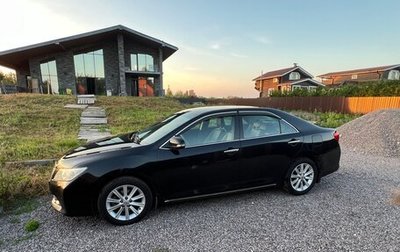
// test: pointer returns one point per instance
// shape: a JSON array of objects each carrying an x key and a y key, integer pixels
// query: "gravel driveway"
[{"x": 350, "y": 210}]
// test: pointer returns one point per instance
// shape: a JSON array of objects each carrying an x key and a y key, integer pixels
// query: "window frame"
[
  {"x": 294, "y": 75},
  {"x": 263, "y": 113},
  {"x": 395, "y": 74},
  {"x": 236, "y": 138}
]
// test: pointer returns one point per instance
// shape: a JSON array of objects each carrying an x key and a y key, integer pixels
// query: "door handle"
[
  {"x": 294, "y": 141},
  {"x": 231, "y": 150}
]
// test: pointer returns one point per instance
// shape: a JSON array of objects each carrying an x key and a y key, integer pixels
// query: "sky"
[{"x": 224, "y": 44}]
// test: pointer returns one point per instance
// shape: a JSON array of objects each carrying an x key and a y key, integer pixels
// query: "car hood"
[{"x": 102, "y": 145}]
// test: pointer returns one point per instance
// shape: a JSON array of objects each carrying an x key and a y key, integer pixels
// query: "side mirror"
[{"x": 176, "y": 143}]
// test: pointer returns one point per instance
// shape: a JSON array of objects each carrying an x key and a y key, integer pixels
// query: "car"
[{"x": 194, "y": 153}]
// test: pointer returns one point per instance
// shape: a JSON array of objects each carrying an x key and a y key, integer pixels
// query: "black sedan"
[{"x": 194, "y": 153}]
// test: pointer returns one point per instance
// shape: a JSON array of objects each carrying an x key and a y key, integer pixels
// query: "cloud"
[
  {"x": 236, "y": 55},
  {"x": 215, "y": 46},
  {"x": 262, "y": 40}
]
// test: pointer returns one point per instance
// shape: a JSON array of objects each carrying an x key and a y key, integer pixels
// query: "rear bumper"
[{"x": 329, "y": 162}]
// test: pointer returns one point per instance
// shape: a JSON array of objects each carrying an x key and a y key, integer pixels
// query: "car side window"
[
  {"x": 287, "y": 128},
  {"x": 209, "y": 131},
  {"x": 255, "y": 126}
]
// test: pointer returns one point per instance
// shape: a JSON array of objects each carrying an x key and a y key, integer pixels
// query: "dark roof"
[
  {"x": 359, "y": 71},
  {"x": 280, "y": 72},
  {"x": 18, "y": 56}
]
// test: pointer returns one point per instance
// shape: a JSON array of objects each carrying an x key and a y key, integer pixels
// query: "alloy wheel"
[
  {"x": 302, "y": 177},
  {"x": 125, "y": 202}
]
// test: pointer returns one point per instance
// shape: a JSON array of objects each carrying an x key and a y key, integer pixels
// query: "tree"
[
  {"x": 8, "y": 78},
  {"x": 169, "y": 92}
]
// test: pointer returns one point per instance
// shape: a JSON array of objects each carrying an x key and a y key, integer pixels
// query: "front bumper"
[{"x": 72, "y": 198}]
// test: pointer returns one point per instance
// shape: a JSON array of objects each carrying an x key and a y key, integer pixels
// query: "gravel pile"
[{"x": 376, "y": 133}]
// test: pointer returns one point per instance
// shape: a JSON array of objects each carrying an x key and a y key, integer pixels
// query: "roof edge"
[
  {"x": 86, "y": 34},
  {"x": 358, "y": 71}
]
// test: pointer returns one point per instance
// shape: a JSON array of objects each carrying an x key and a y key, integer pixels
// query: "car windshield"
[{"x": 157, "y": 131}]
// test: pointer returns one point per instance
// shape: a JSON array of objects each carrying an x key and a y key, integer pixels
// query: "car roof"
[{"x": 299, "y": 123}]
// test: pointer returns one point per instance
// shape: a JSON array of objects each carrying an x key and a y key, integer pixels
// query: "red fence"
[{"x": 352, "y": 105}]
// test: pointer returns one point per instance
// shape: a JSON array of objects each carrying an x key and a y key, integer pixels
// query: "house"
[
  {"x": 111, "y": 61},
  {"x": 286, "y": 79},
  {"x": 391, "y": 72}
]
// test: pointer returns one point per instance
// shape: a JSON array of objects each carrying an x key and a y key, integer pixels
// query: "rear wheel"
[
  {"x": 124, "y": 201},
  {"x": 302, "y": 175}
]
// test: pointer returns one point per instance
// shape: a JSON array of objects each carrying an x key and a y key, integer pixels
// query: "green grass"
[
  {"x": 126, "y": 114},
  {"x": 19, "y": 185},
  {"x": 31, "y": 225},
  {"x": 326, "y": 119},
  {"x": 36, "y": 126}
]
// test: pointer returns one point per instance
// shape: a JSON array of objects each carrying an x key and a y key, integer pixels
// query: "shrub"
[{"x": 360, "y": 89}]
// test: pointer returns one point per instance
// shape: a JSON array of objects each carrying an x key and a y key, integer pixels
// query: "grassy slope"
[
  {"x": 127, "y": 114},
  {"x": 36, "y": 126}
]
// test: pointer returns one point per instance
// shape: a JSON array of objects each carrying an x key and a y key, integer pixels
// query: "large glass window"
[
  {"x": 89, "y": 72},
  {"x": 48, "y": 71},
  {"x": 90, "y": 64},
  {"x": 142, "y": 62}
]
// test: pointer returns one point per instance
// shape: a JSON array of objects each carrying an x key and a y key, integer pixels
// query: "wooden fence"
[{"x": 352, "y": 105}]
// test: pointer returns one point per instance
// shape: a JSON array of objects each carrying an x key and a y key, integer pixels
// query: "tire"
[
  {"x": 301, "y": 176},
  {"x": 124, "y": 201}
]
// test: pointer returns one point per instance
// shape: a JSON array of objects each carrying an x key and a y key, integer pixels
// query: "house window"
[
  {"x": 142, "y": 62},
  {"x": 354, "y": 77},
  {"x": 394, "y": 75},
  {"x": 294, "y": 87},
  {"x": 89, "y": 73},
  {"x": 312, "y": 88},
  {"x": 275, "y": 80},
  {"x": 294, "y": 76},
  {"x": 48, "y": 71}
]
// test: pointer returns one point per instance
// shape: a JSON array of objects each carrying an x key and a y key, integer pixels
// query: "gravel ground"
[
  {"x": 376, "y": 133},
  {"x": 354, "y": 209},
  {"x": 350, "y": 210}
]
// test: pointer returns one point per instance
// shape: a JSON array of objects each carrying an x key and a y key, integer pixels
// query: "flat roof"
[{"x": 17, "y": 57}]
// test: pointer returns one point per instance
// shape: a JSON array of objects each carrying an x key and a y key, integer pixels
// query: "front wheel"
[
  {"x": 302, "y": 175},
  {"x": 124, "y": 201}
]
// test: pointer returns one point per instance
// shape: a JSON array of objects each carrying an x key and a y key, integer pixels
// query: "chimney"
[{"x": 295, "y": 64}]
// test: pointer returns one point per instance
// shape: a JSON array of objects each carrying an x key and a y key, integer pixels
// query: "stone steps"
[{"x": 93, "y": 124}]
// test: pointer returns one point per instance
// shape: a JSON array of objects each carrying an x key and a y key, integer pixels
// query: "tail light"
[{"x": 336, "y": 135}]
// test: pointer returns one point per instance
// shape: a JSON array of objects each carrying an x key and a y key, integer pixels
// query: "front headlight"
[{"x": 68, "y": 174}]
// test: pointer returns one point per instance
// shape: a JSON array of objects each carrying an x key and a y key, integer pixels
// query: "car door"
[
  {"x": 207, "y": 163},
  {"x": 268, "y": 144}
]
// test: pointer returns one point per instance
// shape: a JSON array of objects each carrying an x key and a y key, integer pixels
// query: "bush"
[
  {"x": 361, "y": 89},
  {"x": 325, "y": 119}
]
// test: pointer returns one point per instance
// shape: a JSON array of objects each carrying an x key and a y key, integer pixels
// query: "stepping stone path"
[
  {"x": 93, "y": 124},
  {"x": 93, "y": 121}
]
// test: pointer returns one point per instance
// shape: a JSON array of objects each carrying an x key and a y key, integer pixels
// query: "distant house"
[
  {"x": 391, "y": 72},
  {"x": 111, "y": 61},
  {"x": 286, "y": 79}
]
